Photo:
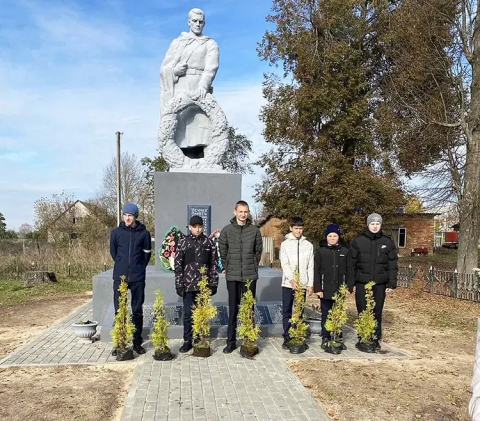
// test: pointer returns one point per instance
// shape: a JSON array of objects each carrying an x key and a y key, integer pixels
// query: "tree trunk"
[{"x": 469, "y": 203}]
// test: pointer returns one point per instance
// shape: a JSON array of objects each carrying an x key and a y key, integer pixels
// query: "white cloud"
[{"x": 63, "y": 101}]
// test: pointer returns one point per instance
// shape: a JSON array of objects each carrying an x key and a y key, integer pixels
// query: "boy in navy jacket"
[{"x": 131, "y": 249}]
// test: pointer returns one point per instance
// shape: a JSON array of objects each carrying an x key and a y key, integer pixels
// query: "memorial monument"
[
  {"x": 192, "y": 139},
  {"x": 193, "y": 127}
]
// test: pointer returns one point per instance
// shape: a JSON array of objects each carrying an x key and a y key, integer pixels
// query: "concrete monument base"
[
  {"x": 178, "y": 193},
  {"x": 268, "y": 311}
]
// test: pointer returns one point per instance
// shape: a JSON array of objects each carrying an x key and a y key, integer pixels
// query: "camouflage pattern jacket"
[{"x": 193, "y": 253}]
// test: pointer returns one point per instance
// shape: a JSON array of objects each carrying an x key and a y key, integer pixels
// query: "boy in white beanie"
[
  {"x": 373, "y": 257},
  {"x": 296, "y": 253}
]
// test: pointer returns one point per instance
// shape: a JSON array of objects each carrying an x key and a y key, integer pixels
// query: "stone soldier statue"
[{"x": 190, "y": 65}]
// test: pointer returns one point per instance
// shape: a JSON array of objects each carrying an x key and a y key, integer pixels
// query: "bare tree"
[
  {"x": 25, "y": 228},
  {"x": 134, "y": 187},
  {"x": 48, "y": 209},
  {"x": 434, "y": 96}
]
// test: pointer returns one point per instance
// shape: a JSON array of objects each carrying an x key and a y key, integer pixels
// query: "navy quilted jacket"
[{"x": 131, "y": 251}]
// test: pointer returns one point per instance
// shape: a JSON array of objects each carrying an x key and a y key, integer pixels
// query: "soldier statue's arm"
[{"x": 212, "y": 60}]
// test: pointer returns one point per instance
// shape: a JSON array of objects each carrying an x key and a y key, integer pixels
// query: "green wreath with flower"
[{"x": 168, "y": 248}]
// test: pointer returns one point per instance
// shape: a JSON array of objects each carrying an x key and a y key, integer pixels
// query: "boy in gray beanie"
[{"x": 373, "y": 257}]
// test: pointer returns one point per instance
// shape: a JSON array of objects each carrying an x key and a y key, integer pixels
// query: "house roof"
[{"x": 89, "y": 207}]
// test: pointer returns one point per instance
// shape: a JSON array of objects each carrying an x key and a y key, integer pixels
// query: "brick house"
[
  {"x": 412, "y": 231},
  {"x": 408, "y": 231}
]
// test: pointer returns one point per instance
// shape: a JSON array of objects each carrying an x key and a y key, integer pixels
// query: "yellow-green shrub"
[
  {"x": 248, "y": 331},
  {"x": 299, "y": 329},
  {"x": 159, "y": 334},
  {"x": 337, "y": 316},
  {"x": 366, "y": 323},
  {"x": 203, "y": 312},
  {"x": 122, "y": 332}
]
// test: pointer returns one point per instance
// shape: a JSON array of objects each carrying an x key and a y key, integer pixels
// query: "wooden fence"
[{"x": 463, "y": 286}]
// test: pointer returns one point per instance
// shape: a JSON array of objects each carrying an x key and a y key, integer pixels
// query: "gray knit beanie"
[{"x": 373, "y": 217}]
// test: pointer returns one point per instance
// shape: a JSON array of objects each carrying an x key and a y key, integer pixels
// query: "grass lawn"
[{"x": 14, "y": 292}]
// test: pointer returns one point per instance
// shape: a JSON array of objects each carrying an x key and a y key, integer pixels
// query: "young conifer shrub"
[
  {"x": 337, "y": 316},
  {"x": 159, "y": 334},
  {"x": 366, "y": 323},
  {"x": 299, "y": 329},
  {"x": 248, "y": 330},
  {"x": 203, "y": 312},
  {"x": 122, "y": 332}
]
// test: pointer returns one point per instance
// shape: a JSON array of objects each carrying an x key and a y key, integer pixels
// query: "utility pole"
[{"x": 119, "y": 182}]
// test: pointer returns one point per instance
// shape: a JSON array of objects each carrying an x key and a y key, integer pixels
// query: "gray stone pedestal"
[
  {"x": 268, "y": 310},
  {"x": 175, "y": 191}
]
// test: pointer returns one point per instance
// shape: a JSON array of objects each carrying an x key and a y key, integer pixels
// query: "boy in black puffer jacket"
[
  {"x": 331, "y": 270},
  {"x": 194, "y": 252},
  {"x": 373, "y": 257}
]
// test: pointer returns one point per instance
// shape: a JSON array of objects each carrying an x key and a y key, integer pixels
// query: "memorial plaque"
[
  {"x": 221, "y": 319},
  {"x": 205, "y": 212},
  {"x": 174, "y": 314},
  {"x": 261, "y": 315},
  {"x": 275, "y": 313},
  {"x": 265, "y": 314}
]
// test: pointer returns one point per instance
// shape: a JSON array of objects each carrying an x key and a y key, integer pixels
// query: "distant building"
[
  {"x": 80, "y": 220},
  {"x": 409, "y": 231}
]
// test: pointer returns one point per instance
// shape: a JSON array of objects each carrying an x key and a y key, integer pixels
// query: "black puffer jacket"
[
  {"x": 131, "y": 250},
  {"x": 193, "y": 253},
  {"x": 240, "y": 249},
  {"x": 373, "y": 257},
  {"x": 330, "y": 269}
]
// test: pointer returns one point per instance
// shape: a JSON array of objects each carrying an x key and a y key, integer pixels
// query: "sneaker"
[
  {"x": 229, "y": 348},
  {"x": 139, "y": 349},
  {"x": 377, "y": 345},
  {"x": 114, "y": 352},
  {"x": 187, "y": 346},
  {"x": 324, "y": 343},
  {"x": 286, "y": 344}
]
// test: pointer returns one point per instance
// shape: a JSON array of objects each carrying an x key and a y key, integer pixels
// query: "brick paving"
[{"x": 221, "y": 387}]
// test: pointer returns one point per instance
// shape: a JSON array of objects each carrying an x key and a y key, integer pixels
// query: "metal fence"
[
  {"x": 463, "y": 286},
  {"x": 15, "y": 271}
]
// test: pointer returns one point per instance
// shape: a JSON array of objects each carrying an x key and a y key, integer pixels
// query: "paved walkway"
[{"x": 221, "y": 387}]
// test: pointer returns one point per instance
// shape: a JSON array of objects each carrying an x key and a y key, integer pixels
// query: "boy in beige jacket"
[{"x": 296, "y": 252}]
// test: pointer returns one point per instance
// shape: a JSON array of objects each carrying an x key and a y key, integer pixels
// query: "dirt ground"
[
  {"x": 434, "y": 385},
  {"x": 84, "y": 393},
  {"x": 20, "y": 323}
]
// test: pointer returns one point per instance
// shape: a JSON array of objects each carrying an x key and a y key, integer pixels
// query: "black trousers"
[
  {"x": 379, "y": 295},
  {"x": 235, "y": 292},
  {"x": 137, "y": 291},
  {"x": 188, "y": 302},
  {"x": 325, "y": 305}
]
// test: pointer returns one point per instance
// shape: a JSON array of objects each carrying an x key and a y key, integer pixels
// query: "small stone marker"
[{"x": 38, "y": 277}]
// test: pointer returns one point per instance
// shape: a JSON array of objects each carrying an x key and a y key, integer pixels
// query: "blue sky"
[{"x": 73, "y": 72}]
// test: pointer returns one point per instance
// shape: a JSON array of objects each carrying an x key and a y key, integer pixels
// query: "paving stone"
[{"x": 221, "y": 387}]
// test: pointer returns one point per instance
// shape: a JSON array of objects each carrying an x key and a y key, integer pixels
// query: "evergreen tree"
[
  {"x": 327, "y": 162},
  {"x": 3, "y": 225}
]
